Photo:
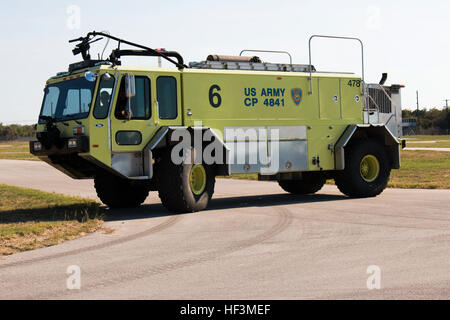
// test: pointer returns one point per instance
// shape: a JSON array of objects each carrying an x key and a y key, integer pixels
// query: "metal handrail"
[
  {"x": 386, "y": 94},
  {"x": 392, "y": 116},
  {"x": 392, "y": 103},
  {"x": 268, "y": 51},
  {"x": 377, "y": 109},
  {"x": 335, "y": 37}
]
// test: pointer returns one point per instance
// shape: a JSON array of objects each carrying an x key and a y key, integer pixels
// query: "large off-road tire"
[
  {"x": 367, "y": 170},
  {"x": 311, "y": 183},
  {"x": 116, "y": 192},
  {"x": 184, "y": 187}
]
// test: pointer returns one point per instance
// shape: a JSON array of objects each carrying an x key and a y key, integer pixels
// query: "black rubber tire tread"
[
  {"x": 116, "y": 192},
  {"x": 174, "y": 187},
  {"x": 350, "y": 182},
  {"x": 311, "y": 182}
]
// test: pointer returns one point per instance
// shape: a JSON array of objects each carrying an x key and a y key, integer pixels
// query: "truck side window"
[
  {"x": 104, "y": 94},
  {"x": 140, "y": 103},
  {"x": 167, "y": 97}
]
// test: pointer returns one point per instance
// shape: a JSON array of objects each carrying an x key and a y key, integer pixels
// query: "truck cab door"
[
  {"x": 156, "y": 103},
  {"x": 167, "y": 100},
  {"x": 132, "y": 126}
]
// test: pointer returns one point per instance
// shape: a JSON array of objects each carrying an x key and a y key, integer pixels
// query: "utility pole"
[{"x": 417, "y": 99}]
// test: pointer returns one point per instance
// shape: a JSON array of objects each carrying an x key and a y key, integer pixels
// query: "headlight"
[
  {"x": 37, "y": 146},
  {"x": 72, "y": 143}
]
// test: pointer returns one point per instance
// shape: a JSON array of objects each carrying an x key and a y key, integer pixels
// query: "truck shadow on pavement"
[
  {"x": 270, "y": 200},
  {"x": 80, "y": 213},
  {"x": 157, "y": 210}
]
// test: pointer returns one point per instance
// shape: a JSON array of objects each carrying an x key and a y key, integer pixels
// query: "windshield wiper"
[{"x": 71, "y": 116}]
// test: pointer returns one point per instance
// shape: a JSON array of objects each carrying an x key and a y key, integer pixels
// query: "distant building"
[{"x": 409, "y": 126}]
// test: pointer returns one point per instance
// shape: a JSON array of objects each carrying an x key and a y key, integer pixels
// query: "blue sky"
[{"x": 408, "y": 39}]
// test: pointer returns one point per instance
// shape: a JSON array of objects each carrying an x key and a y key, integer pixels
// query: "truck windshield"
[{"x": 68, "y": 100}]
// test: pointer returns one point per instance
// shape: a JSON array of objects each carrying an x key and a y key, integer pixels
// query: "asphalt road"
[{"x": 254, "y": 242}]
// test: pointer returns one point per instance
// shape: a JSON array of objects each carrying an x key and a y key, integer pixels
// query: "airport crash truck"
[{"x": 123, "y": 126}]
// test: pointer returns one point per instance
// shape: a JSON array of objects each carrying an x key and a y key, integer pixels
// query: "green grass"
[
  {"x": 427, "y": 137},
  {"x": 242, "y": 176},
  {"x": 422, "y": 169},
  {"x": 437, "y": 144},
  {"x": 441, "y": 141},
  {"x": 16, "y": 150},
  {"x": 31, "y": 219}
]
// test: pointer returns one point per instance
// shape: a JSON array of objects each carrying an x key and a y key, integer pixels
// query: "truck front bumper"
[{"x": 72, "y": 145}]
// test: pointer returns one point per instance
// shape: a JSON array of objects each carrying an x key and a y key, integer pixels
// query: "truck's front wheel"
[
  {"x": 366, "y": 172},
  {"x": 185, "y": 187},
  {"x": 116, "y": 192}
]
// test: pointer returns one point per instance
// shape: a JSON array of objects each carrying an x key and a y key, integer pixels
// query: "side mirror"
[{"x": 130, "y": 86}]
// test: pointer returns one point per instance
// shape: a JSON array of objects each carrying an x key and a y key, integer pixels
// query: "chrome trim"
[
  {"x": 157, "y": 138},
  {"x": 339, "y": 158}
]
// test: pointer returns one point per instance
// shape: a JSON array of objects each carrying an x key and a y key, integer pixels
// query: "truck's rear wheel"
[
  {"x": 116, "y": 192},
  {"x": 185, "y": 187},
  {"x": 311, "y": 183},
  {"x": 366, "y": 172}
]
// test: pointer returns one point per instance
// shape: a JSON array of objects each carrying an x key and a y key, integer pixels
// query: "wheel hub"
[
  {"x": 197, "y": 179},
  {"x": 369, "y": 168}
]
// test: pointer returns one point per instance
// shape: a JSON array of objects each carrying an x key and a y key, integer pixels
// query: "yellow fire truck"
[{"x": 173, "y": 130}]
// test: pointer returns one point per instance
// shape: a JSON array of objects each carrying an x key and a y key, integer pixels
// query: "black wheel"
[
  {"x": 184, "y": 187},
  {"x": 116, "y": 192},
  {"x": 367, "y": 170},
  {"x": 311, "y": 183}
]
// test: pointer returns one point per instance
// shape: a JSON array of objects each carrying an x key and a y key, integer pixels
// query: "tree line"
[
  {"x": 430, "y": 121},
  {"x": 15, "y": 131}
]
